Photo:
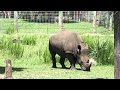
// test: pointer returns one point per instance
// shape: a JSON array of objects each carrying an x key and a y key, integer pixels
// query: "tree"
[
  {"x": 94, "y": 21},
  {"x": 107, "y": 19},
  {"x": 111, "y": 21},
  {"x": 99, "y": 17},
  {"x": 60, "y": 19},
  {"x": 88, "y": 16},
  {"x": 117, "y": 44},
  {"x": 7, "y": 14}
]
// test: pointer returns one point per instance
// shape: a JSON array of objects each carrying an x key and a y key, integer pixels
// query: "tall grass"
[
  {"x": 10, "y": 30},
  {"x": 46, "y": 55},
  {"x": 14, "y": 49},
  {"x": 36, "y": 46},
  {"x": 29, "y": 40},
  {"x": 100, "y": 49}
]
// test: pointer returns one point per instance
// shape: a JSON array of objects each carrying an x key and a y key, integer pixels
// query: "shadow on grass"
[
  {"x": 66, "y": 68},
  {"x": 101, "y": 78},
  {"x": 2, "y": 69}
]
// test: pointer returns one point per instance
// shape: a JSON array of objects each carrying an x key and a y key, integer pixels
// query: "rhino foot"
[
  {"x": 64, "y": 67},
  {"x": 73, "y": 68},
  {"x": 54, "y": 67}
]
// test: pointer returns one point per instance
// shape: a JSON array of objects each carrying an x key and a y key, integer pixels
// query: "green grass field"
[
  {"x": 35, "y": 62},
  {"x": 44, "y": 71}
]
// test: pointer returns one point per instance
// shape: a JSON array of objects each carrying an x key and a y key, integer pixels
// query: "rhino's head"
[{"x": 83, "y": 58}]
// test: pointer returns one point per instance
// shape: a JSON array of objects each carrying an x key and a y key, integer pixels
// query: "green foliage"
[
  {"x": 29, "y": 40},
  {"x": 10, "y": 30},
  {"x": 46, "y": 55},
  {"x": 101, "y": 50},
  {"x": 15, "y": 49},
  {"x": 36, "y": 44},
  {"x": 3, "y": 42},
  {"x": 44, "y": 71}
]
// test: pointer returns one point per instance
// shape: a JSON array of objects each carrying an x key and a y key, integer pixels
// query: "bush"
[{"x": 102, "y": 52}]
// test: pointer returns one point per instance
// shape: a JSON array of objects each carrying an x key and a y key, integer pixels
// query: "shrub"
[{"x": 102, "y": 52}]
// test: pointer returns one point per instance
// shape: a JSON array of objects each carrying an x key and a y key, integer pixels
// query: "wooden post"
[
  {"x": 8, "y": 69},
  {"x": 60, "y": 20},
  {"x": 16, "y": 20},
  {"x": 94, "y": 21},
  {"x": 117, "y": 44}
]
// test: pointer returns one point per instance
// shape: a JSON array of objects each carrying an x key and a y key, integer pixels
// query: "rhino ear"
[{"x": 79, "y": 47}]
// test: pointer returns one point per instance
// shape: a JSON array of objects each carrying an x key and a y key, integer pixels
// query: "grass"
[
  {"x": 35, "y": 62},
  {"x": 30, "y": 27},
  {"x": 44, "y": 71},
  {"x": 101, "y": 49}
]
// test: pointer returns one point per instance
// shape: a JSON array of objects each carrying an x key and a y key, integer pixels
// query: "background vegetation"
[{"x": 30, "y": 56}]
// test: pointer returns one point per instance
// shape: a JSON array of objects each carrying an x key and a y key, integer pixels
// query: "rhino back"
[{"x": 65, "y": 41}]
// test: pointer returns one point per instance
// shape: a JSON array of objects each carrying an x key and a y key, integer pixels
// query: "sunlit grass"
[
  {"x": 24, "y": 26},
  {"x": 36, "y": 57},
  {"x": 44, "y": 71}
]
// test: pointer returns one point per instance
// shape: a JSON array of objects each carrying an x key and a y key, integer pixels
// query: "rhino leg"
[
  {"x": 72, "y": 67},
  {"x": 54, "y": 61},
  {"x": 72, "y": 61},
  {"x": 62, "y": 62}
]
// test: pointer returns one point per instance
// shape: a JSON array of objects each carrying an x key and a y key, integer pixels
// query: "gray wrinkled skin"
[{"x": 71, "y": 46}]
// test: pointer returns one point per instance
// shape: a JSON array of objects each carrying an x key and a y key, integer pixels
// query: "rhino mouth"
[{"x": 85, "y": 67}]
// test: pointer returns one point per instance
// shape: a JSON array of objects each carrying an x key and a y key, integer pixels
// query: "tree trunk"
[
  {"x": 99, "y": 17},
  {"x": 74, "y": 15},
  {"x": 111, "y": 22},
  {"x": 60, "y": 20},
  {"x": 94, "y": 21},
  {"x": 107, "y": 21},
  {"x": 32, "y": 15},
  {"x": 117, "y": 44},
  {"x": 16, "y": 20},
  {"x": 9, "y": 14},
  {"x": 88, "y": 16},
  {"x": 77, "y": 15},
  {"x": 80, "y": 16}
]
